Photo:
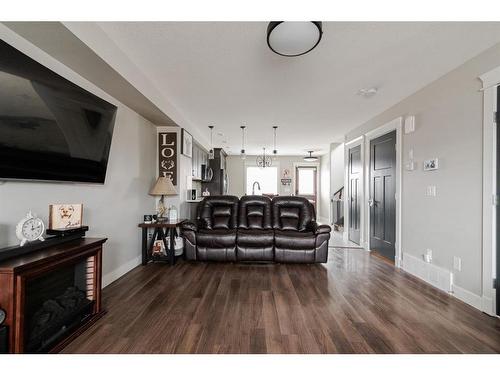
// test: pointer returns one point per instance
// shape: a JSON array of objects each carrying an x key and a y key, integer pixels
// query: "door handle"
[{"x": 371, "y": 202}]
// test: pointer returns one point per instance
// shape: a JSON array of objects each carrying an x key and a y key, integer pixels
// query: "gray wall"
[
  {"x": 111, "y": 210},
  {"x": 449, "y": 116},
  {"x": 324, "y": 190},
  {"x": 337, "y": 166}
]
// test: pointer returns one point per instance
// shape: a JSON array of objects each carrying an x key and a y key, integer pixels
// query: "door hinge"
[
  {"x": 496, "y": 200},
  {"x": 495, "y": 284},
  {"x": 496, "y": 117}
]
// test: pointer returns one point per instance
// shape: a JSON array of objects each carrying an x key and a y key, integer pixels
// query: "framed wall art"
[
  {"x": 186, "y": 144},
  {"x": 167, "y": 155}
]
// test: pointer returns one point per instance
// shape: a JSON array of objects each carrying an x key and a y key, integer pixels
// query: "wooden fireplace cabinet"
[{"x": 16, "y": 272}]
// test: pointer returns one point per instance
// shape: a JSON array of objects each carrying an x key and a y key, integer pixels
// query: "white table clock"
[{"x": 30, "y": 229}]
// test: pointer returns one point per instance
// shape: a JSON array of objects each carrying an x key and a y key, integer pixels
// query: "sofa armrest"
[
  {"x": 189, "y": 225},
  {"x": 317, "y": 229},
  {"x": 323, "y": 229}
]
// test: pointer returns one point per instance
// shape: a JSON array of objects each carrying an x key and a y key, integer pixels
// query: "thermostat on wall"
[{"x": 431, "y": 164}]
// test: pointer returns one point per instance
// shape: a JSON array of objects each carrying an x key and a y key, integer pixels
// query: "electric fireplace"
[{"x": 52, "y": 295}]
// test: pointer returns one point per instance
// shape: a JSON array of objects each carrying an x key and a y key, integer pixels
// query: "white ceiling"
[{"x": 223, "y": 73}]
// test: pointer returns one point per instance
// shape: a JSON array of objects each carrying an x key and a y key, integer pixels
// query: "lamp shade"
[{"x": 163, "y": 186}]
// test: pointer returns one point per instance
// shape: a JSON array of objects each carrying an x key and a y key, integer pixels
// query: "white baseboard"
[
  {"x": 468, "y": 297},
  {"x": 442, "y": 279},
  {"x": 438, "y": 277},
  {"x": 488, "y": 305},
  {"x": 120, "y": 271}
]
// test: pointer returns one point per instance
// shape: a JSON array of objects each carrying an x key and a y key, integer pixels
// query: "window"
[{"x": 266, "y": 177}]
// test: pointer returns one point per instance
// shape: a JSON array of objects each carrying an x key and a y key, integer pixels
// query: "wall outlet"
[
  {"x": 428, "y": 256},
  {"x": 457, "y": 263}
]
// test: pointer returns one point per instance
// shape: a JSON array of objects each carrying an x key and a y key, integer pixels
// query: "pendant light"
[
  {"x": 292, "y": 39},
  {"x": 242, "y": 153},
  {"x": 310, "y": 157},
  {"x": 211, "y": 154},
  {"x": 275, "y": 151},
  {"x": 264, "y": 161}
]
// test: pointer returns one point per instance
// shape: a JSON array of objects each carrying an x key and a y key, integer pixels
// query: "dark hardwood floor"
[{"x": 356, "y": 303}]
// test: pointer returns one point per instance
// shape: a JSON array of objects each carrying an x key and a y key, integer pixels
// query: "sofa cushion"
[
  {"x": 254, "y": 212},
  {"x": 216, "y": 238},
  {"x": 255, "y": 237},
  {"x": 291, "y": 239}
]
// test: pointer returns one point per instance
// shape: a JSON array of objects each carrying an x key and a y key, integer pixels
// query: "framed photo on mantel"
[{"x": 66, "y": 215}]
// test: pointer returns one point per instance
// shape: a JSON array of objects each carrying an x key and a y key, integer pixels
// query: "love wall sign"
[{"x": 167, "y": 153}]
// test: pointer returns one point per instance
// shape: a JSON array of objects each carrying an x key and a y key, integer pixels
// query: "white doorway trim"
[
  {"x": 490, "y": 82},
  {"x": 397, "y": 125},
  {"x": 360, "y": 141}
]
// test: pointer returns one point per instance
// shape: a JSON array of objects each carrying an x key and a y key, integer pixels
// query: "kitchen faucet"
[{"x": 253, "y": 187}]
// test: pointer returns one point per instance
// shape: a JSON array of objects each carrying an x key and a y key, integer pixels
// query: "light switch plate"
[
  {"x": 409, "y": 124},
  {"x": 410, "y": 166}
]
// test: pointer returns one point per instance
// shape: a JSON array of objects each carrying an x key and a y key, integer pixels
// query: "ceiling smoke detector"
[{"x": 367, "y": 93}]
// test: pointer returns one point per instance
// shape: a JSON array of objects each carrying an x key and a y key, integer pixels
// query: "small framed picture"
[
  {"x": 158, "y": 248},
  {"x": 186, "y": 144},
  {"x": 67, "y": 215},
  {"x": 431, "y": 164},
  {"x": 148, "y": 219}
]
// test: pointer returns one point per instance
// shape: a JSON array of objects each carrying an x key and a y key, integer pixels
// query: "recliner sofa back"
[
  {"x": 255, "y": 212},
  {"x": 219, "y": 212},
  {"x": 292, "y": 213}
]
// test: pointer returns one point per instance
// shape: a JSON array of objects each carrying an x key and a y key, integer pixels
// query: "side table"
[{"x": 162, "y": 230}]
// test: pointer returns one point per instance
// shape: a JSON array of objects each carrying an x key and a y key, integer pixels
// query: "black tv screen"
[{"x": 50, "y": 128}]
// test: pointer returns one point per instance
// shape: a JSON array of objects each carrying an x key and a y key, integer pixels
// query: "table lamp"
[{"x": 162, "y": 187}]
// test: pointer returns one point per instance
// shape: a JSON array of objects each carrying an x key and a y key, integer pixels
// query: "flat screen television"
[{"x": 50, "y": 128}]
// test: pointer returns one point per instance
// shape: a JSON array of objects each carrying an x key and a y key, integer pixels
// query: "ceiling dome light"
[
  {"x": 293, "y": 38},
  {"x": 310, "y": 157}
]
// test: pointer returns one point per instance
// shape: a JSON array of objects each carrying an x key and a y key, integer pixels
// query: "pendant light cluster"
[
  {"x": 211, "y": 153},
  {"x": 264, "y": 160},
  {"x": 242, "y": 153}
]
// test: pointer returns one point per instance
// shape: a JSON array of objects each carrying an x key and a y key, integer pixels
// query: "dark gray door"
[
  {"x": 382, "y": 197},
  {"x": 354, "y": 197},
  {"x": 497, "y": 203}
]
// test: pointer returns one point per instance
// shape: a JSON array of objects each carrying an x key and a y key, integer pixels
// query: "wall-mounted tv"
[{"x": 50, "y": 128}]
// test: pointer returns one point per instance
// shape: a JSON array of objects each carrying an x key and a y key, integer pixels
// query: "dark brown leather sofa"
[{"x": 256, "y": 228}]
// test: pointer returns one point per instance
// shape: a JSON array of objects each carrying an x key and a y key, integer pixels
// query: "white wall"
[
  {"x": 448, "y": 126},
  {"x": 111, "y": 210}
]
